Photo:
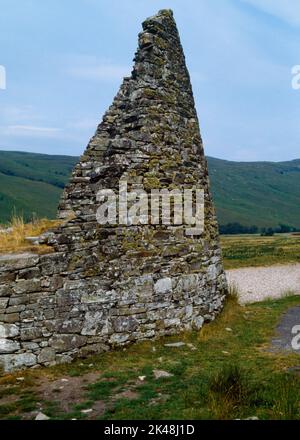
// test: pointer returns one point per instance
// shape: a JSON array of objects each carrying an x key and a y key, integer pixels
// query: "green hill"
[
  {"x": 256, "y": 193},
  {"x": 250, "y": 193},
  {"x": 31, "y": 184}
]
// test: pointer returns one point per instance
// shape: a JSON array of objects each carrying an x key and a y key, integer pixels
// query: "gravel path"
[{"x": 259, "y": 283}]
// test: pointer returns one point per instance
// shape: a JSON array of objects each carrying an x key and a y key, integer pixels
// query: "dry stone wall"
[{"x": 109, "y": 285}]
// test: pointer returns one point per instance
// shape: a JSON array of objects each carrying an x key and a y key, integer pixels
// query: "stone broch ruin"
[{"x": 105, "y": 286}]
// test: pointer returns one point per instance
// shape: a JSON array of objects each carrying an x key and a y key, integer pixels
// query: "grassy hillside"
[
  {"x": 260, "y": 193},
  {"x": 31, "y": 184}
]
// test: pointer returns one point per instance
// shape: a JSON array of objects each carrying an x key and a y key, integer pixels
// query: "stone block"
[
  {"x": 8, "y": 346},
  {"x": 61, "y": 343},
  {"x": 9, "y": 330},
  {"x": 46, "y": 355},
  {"x": 164, "y": 285},
  {"x": 12, "y": 362}
]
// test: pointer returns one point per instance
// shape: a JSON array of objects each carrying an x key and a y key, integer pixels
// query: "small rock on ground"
[
  {"x": 159, "y": 374},
  {"x": 175, "y": 344},
  {"x": 41, "y": 416}
]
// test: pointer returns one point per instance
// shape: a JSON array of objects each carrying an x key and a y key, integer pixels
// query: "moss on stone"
[
  {"x": 151, "y": 183},
  {"x": 161, "y": 43},
  {"x": 150, "y": 93}
]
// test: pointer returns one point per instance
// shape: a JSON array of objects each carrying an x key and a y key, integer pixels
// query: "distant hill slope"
[
  {"x": 250, "y": 193},
  {"x": 259, "y": 193},
  {"x": 32, "y": 183}
]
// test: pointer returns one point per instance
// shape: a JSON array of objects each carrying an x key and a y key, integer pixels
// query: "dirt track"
[{"x": 259, "y": 283}]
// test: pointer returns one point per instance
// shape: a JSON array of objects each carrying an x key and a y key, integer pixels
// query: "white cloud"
[
  {"x": 89, "y": 68},
  {"x": 31, "y": 130},
  {"x": 17, "y": 113},
  {"x": 286, "y": 10}
]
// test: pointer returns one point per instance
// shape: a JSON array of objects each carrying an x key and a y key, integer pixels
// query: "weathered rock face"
[{"x": 108, "y": 285}]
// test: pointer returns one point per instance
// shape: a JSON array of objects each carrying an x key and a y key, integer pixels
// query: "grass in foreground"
[
  {"x": 223, "y": 372},
  {"x": 253, "y": 250},
  {"x": 15, "y": 240}
]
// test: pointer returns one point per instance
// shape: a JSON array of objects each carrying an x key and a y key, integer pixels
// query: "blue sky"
[{"x": 65, "y": 61}]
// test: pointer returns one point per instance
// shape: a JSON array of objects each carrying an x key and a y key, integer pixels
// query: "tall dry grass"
[{"x": 14, "y": 240}]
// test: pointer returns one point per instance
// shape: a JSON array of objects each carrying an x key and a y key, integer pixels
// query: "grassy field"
[
  {"x": 253, "y": 250},
  {"x": 223, "y": 372}
]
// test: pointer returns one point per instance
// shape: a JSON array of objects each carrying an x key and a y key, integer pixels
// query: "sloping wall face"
[{"x": 138, "y": 274}]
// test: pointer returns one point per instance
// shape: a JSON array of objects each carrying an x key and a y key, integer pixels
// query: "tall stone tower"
[
  {"x": 135, "y": 277},
  {"x": 155, "y": 278}
]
